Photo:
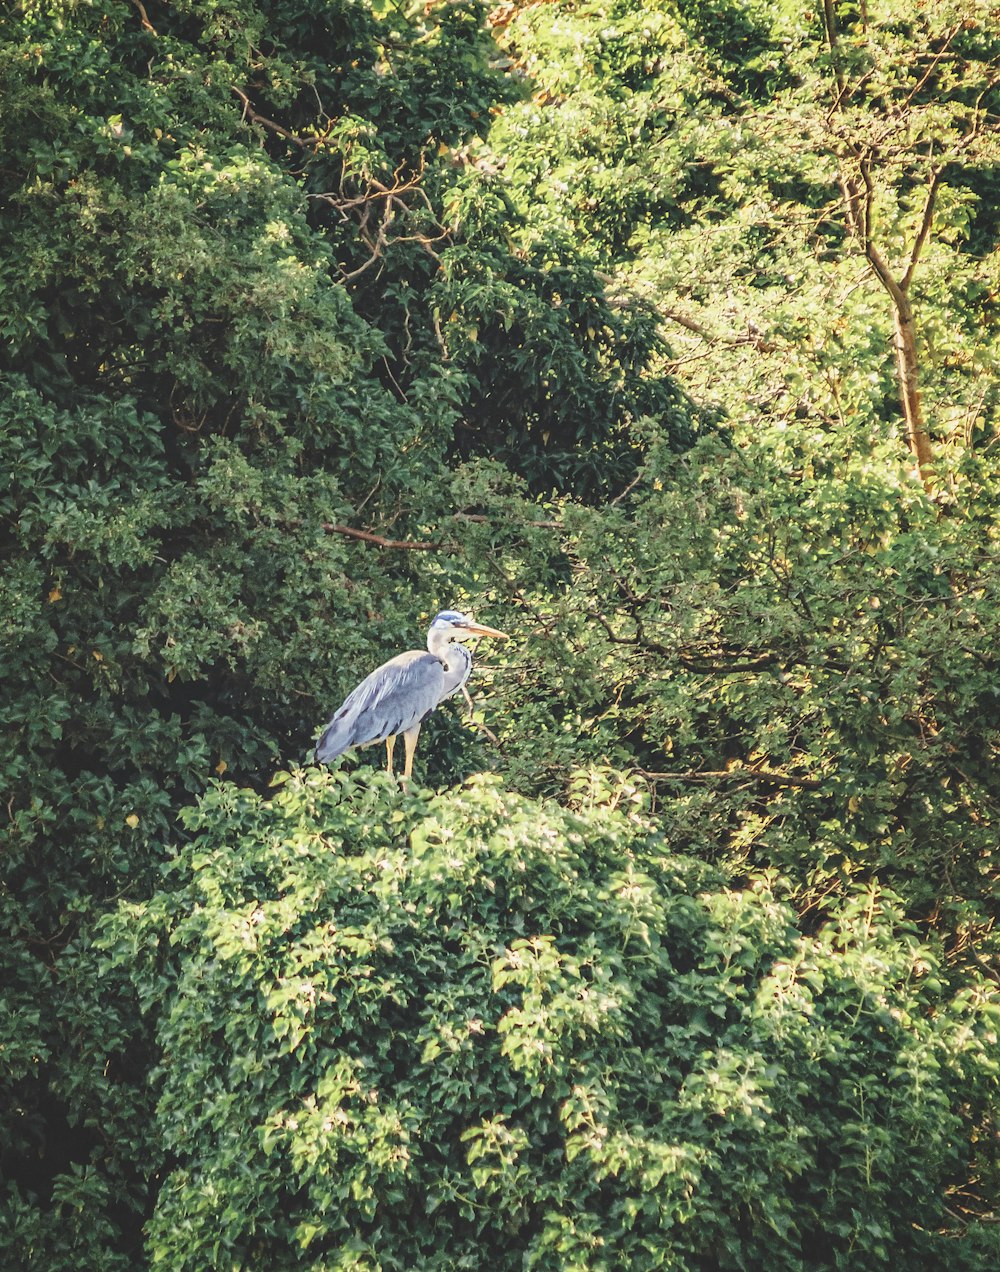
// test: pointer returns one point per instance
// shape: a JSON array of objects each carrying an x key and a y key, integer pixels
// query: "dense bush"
[{"x": 423, "y": 1032}]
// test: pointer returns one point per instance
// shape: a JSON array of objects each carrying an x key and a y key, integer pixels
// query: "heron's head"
[{"x": 451, "y": 625}]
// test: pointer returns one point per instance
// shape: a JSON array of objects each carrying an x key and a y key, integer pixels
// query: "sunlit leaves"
[{"x": 424, "y": 1027}]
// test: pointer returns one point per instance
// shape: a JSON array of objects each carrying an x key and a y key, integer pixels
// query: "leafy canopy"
[{"x": 396, "y": 1033}]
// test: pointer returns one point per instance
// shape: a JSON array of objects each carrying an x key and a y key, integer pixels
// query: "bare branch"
[
  {"x": 479, "y": 519},
  {"x": 271, "y": 126},
  {"x": 622, "y": 494},
  {"x": 752, "y": 336},
  {"x": 390, "y": 196},
  {"x": 763, "y": 776},
  {"x": 401, "y": 545},
  {"x": 376, "y": 189}
]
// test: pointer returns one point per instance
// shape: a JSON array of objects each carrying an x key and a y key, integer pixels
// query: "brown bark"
[
  {"x": 367, "y": 536},
  {"x": 907, "y": 371},
  {"x": 858, "y": 199},
  {"x": 858, "y": 189}
]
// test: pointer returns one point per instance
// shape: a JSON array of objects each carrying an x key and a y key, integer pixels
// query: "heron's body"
[{"x": 398, "y": 696}]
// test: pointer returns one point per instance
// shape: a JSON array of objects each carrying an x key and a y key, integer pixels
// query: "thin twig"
[
  {"x": 925, "y": 227},
  {"x": 628, "y": 489},
  {"x": 935, "y": 61}
]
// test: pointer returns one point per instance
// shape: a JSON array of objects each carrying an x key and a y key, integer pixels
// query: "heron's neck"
[
  {"x": 439, "y": 644},
  {"x": 456, "y": 658},
  {"x": 457, "y": 666}
]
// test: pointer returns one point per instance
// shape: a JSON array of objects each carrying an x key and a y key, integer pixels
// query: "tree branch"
[
  {"x": 860, "y": 222},
  {"x": 753, "y": 337},
  {"x": 926, "y": 220},
  {"x": 830, "y": 25},
  {"x": 479, "y": 519},
  {"x": 764, "y": 776},
  {"x": 706, "y": 667},
  {"x": 270, "y": 125},
  {"x": 935, "y": 62},
  {"x": 377, "y": 190},
  {"x": 401, "y": 545},
  {"x": 144, "y": 18}
]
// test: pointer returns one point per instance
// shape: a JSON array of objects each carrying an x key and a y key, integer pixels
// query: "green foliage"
[
  {"x": 601, "y": 147},
  {"x": 188, "y": 397},
  {"x": 559, "y": 388},
  {"x": 398, "y": 1033},
  {"x": 807, "y": 615},
  {"x": 277, "y": 268}
]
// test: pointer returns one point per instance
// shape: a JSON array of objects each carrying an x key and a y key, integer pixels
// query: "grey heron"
[{"x": 398, "y": 696}]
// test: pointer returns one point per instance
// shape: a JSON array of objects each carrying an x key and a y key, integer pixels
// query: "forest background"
[{"x": 663, "y": 336}]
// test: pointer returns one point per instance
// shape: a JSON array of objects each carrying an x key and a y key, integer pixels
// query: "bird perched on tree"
[{"x": 398, "y": 696}]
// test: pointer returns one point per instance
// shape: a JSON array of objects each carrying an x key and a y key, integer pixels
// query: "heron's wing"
[{"x": 394, "y": 698}]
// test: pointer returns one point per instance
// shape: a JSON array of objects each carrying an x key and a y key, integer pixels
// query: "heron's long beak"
[{"x": 480, "y": 629}]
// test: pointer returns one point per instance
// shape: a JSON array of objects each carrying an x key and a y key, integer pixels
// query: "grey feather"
[{"x": 394, "y": 698}]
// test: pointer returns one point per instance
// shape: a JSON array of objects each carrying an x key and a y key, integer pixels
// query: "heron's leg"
[
  {"x": 390, "y": 743},
  {"x": 410, "y": 742}
]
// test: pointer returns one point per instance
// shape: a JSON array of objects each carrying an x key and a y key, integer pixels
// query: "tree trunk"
[{"x": 908, "y": 374}]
